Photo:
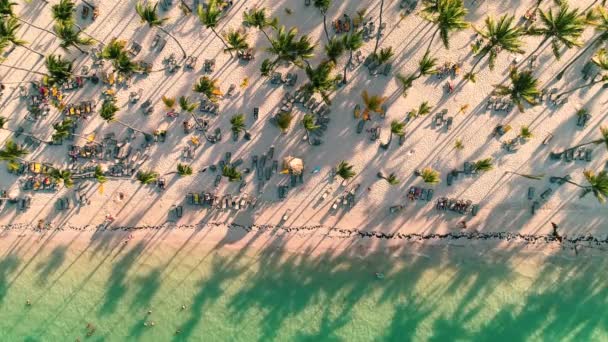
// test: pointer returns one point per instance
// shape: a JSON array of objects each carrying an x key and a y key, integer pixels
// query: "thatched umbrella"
[{"x": 293, "y": 165}]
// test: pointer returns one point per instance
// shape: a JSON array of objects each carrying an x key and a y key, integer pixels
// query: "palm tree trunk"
[
  {"x": 477, "y": 62},
  {"x": 325, "y": 25},
  {"x": 350, "y": 59},
  {"x": 267, "y": 36},
  {"x": 580, "y": 87},
  {"x": 593, "y": 42},
  {"x": 542, "y": 43},
  {"x": 222, "y": 39},
  {"x": 175, "y": 39},
  {"x": 32, "y": 50},
  {"x": 25, "y": 134},
  {"x": 379, "y": 27},
  {"x": 129, "y": 126},
  {"x": 428, "y": 48},
  {"x": 24, "y": 69},
  {"x": 35, "y": 26}
]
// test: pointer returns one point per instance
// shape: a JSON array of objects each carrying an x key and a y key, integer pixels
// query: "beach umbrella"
[{"x": 293, "y": 165}]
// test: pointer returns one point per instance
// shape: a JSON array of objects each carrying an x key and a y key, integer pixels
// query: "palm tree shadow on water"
[{"x": 116, "y": 287}]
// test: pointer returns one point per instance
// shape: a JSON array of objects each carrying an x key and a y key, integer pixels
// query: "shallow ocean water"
[{"x": 232, "y": 295}]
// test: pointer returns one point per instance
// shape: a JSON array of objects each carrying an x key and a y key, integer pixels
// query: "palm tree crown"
[
  {"x": 563, "y": 27},
  {"x": 320, "y": 80},
  {"x": 238, "y": 123},
  {"x": 448, "y": 15},
  {"x": 207, "y": 86},
  {"x": 498, "y": 35},
  {"x": 59, "y": 69},
  {"x": 345, "y": 170},
  {"x": 373, "y": 103},
  {"x": 524, "y": 88},
  {"x": 12, "y": 151},
  {"x": 108, "y": 110},
  {"x": 63, "y": 11},
  {"x": 70, "y": 36}
]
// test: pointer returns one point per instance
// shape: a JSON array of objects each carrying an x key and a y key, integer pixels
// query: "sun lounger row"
[
  {"x": 422, "y": 194},
  {"x": 347, "y": 200},
  {"x": 209, "y": 65},
  {"x": 82, "y": 109},
  {"x": 289, "y": 80},
  {"x": 208, "y": 106},
  {"x": 457, "y": 205},
  {"x": 499, "y": 104},
  {"x": 38, "y": 183},
  {"x": 245, "y": 55},
  {"x": 570, "y": 155},
  {"x": 225, "y": 202}
]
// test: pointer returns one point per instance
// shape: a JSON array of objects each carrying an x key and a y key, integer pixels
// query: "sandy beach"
[{"x": 221, "y": 259}]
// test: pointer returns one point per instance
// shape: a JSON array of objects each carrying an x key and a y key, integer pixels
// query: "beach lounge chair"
[
  {"x": 535, "y": 207},
  {"x": 276, "y": 78},
  {"x": 395, "y": 208},
  {"x": 268, "y": 172},
  {"x": 474, "y": 210},
  {"x": 546, "y": 194},
  {"x": 307, "y": 2},
  {"x": 161, "y": 44},
  {"x": 134, "y": 50},
  {"x": 438, "y": 119},
  {"x": 448, "y": 123},
  {"x": 286, "y": 215},
  {"x": 387, "y": 69},
  {"x": 217, "y": 181},
  {"x": 336, "y": 203},
  {"x": 190, "y": 63},
  {"x": 588, "y": 154},
  {"x": 209, "y": 65},
  {"x": 531, "y": 192},
  {"x": 429, "y": 194},
  {"x": 360, "y": 126},
  {"x": 256, "y": 113},
  {"x": 450, "y": 179}
]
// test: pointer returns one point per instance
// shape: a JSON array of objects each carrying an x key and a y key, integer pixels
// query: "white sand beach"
[{"x": 502, "y": 197}]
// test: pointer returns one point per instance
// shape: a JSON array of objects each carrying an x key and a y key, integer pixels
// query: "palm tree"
[
  {"x": 168, "y": 101},
  {"x": 384, "y": 55},
  {"x": 289, "y": 49},
  {"x": 525, "y": 132},
  {"x": 59, "y": 69},
  {"x": 345, "y": 170},
  {"x": 448, "y": 16},
  {"x": 601, "y": 61},
  {"x": 108, "y": 112},
  {"x": 378, "y": 33},
  {"x": 186, "y": 105},
  {"x": 528, "y": 176},
  {"x": 147, "y": 13},
  {"x": 483, "y": 165},
  {"x": 602, "y": 140},
  {"x": 256, "y": 17},
  {"x": 398, "y": 129},
  {"x": 114, "y": 49},
  {"x": 562, "y": 28},
  {"x": 429, "y": 175},
  {"x": 70, "y": 36},
  {"x": 123, "y": 64},
  {"x": 238, "y": 124},
  {"x": 99, "y": 175},
  {"x": 6, "y": 10},
  {"x": 13, "y": 152},
  {"x": 64, "y": 11},
  {"x": 598, "y": 17},
  {"x": 598, "y": 184},
  {"x": 499, "y": 36},
  {"x": 231, "y": 173},
  {"x": 236, "y": 40},
  {"x": 283, "y": 120},
  {"x": 426, "y": 67},
  {"x": 323, "y": 6},
  {"x": 423, "y": 109},
  {"x": 320, "y": 80},
  {"x": 4, "y": 121},
  {"x": 62, "y": 176},
  {"x": 309, "y": 124},
  {"x": 207, "y": 86},
  {"x": 334, "y": 49},
  {"x": 373, "y": 103},
  {"x": 62, "y": 129},
  {"x": 209, "y": 17},
  {"x": 184, "y": 169},
  {"x": 352, "y": 42},
  {"x": 8, "y": 32},
  {"x": 524, "y": 88},
  {"x": 147, "y": 177},
  {"x": 391, "y": 178}
]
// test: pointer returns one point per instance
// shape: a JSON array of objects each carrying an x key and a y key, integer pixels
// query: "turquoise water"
[{"x": 274, "y": 295}]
